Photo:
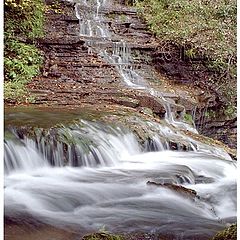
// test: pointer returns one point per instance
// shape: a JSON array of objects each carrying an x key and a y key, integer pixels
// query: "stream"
[{"x": 89, "y": 175}]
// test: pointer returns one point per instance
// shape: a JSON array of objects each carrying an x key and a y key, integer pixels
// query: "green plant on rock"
[
  {"x": 208, "y": 27},
  {"x": 103, "y": 236},
  {"x": 23, "y": 23},
  {"x": 210, "y": 114},
  {"x": 190, "y": 53},
  {"x": 55, "y": 7},
  {"x": 188, "y": 118},
  {"x": 20, "y": 64},
  {"x": 123, "y": 18},
  {"x": 230, "y": 110}
]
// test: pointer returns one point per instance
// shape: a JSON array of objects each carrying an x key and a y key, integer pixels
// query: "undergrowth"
[
  {"x": 208, "y": 27},
  {"x": 229, "y": 233},
  {"x": 22, "y": 60}
]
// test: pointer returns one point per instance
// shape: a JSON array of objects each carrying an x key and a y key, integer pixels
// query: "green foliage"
[
  {"x": 24, "y": 17},
  {"x": 103, "y": 236},
  {"x": 22, "y": 61},
  {"x": 23, "y": 22},
  {"x": 123, "y": 17},
  {"x": 188, "y": 118},
  {"x": 209, "y": 27},
  {"x": 190, "y": 53},
  {"x": 230, "y": 110},
  {"x": 20, "y": 64},
  {"x": 55, "y": 7},
  {"x": 210, "y": 114}
]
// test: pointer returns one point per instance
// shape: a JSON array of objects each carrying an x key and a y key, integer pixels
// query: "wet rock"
[
  {"x": 155, "y": 105},
  {"x": 67, "y": 40},
  {"x": 179, "y": 146},
  {"x": 25, "y": 226},
  {"x": 146, "y": 111},
  {"x": 203, "y": 179},
  {"x": 186, "y": 192},
  {"x": 128, "y": 102},
  {"x": 173, "y": 146}
]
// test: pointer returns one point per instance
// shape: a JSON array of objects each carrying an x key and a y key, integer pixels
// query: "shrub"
[
  {"x": 209, "y": 27},
  {"x": 23, "y": 23}
]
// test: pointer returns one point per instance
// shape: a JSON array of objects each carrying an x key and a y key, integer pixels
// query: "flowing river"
[
  {"x": 94, "y": 176},
  {"x": 87, "y": 176}
]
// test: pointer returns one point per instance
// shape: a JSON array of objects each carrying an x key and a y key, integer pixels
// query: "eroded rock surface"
[
  {"x": 186, "y": 192},
  {"x": 74, "y": 75}
]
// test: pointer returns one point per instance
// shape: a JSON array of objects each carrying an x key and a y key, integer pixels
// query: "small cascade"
[
  {"x": 119, "y": 55},
  {"x": 166, "y": 132},
  {"x": 82, "y": 144},
  {"x": 90, "y": 23},
  {"x": 121, "y": 58},
  {"x": 88, "y": 175},
  {"x": 89, "y": 144},
  {"x": 155, "y": 144},
  {"x": 23, "y": 156}
]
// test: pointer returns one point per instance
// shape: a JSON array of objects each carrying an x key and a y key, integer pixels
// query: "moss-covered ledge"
[{"x": 229, "y": 233}]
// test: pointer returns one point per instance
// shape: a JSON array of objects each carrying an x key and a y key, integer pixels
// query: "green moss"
[
  {"x": 188, "y": 118},
  {"x": 210, "y": 114},
  {"x": 103, "y": 236},
  {"x": 228, "y": 234},
  {"x": 111, "y": 15},
  {"x": 123, "y": 18}
]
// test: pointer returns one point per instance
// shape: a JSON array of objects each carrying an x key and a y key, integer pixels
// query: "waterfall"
[
  {"x": 89, "y": 175},
  {"x": 91, "y": 144},
  {"x": 120, "y": 56},
  {"x": 84, "y": 144}
]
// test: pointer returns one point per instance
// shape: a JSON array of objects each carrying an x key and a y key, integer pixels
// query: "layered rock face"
[{"x": 75, "y": 73}]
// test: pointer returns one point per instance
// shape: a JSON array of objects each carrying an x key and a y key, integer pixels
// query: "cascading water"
[
  {"x": 89, "y": 175},
  {"x": 90, "y": 21},
  {"x": 82, "y": 144},
  {"x": 120, "y": 56}
]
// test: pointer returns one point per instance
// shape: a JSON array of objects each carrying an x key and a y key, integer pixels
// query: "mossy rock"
[
  {"x": 102, "y": 236},
  {"x": 229, "y": 233}
]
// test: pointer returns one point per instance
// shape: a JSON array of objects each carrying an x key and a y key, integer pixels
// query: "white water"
[
  {"x": 95, "y": 176},
  {"x": 118, "y": 198},
  {"x": 109, "y": 187},
  {"x": 90, "y": 21},
  {"x": 84, "y": 144}
]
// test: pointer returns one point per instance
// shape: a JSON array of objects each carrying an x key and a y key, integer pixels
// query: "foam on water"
[
  {"x": 118, "y": 197},
  {"x": 84, "y": 144}
]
